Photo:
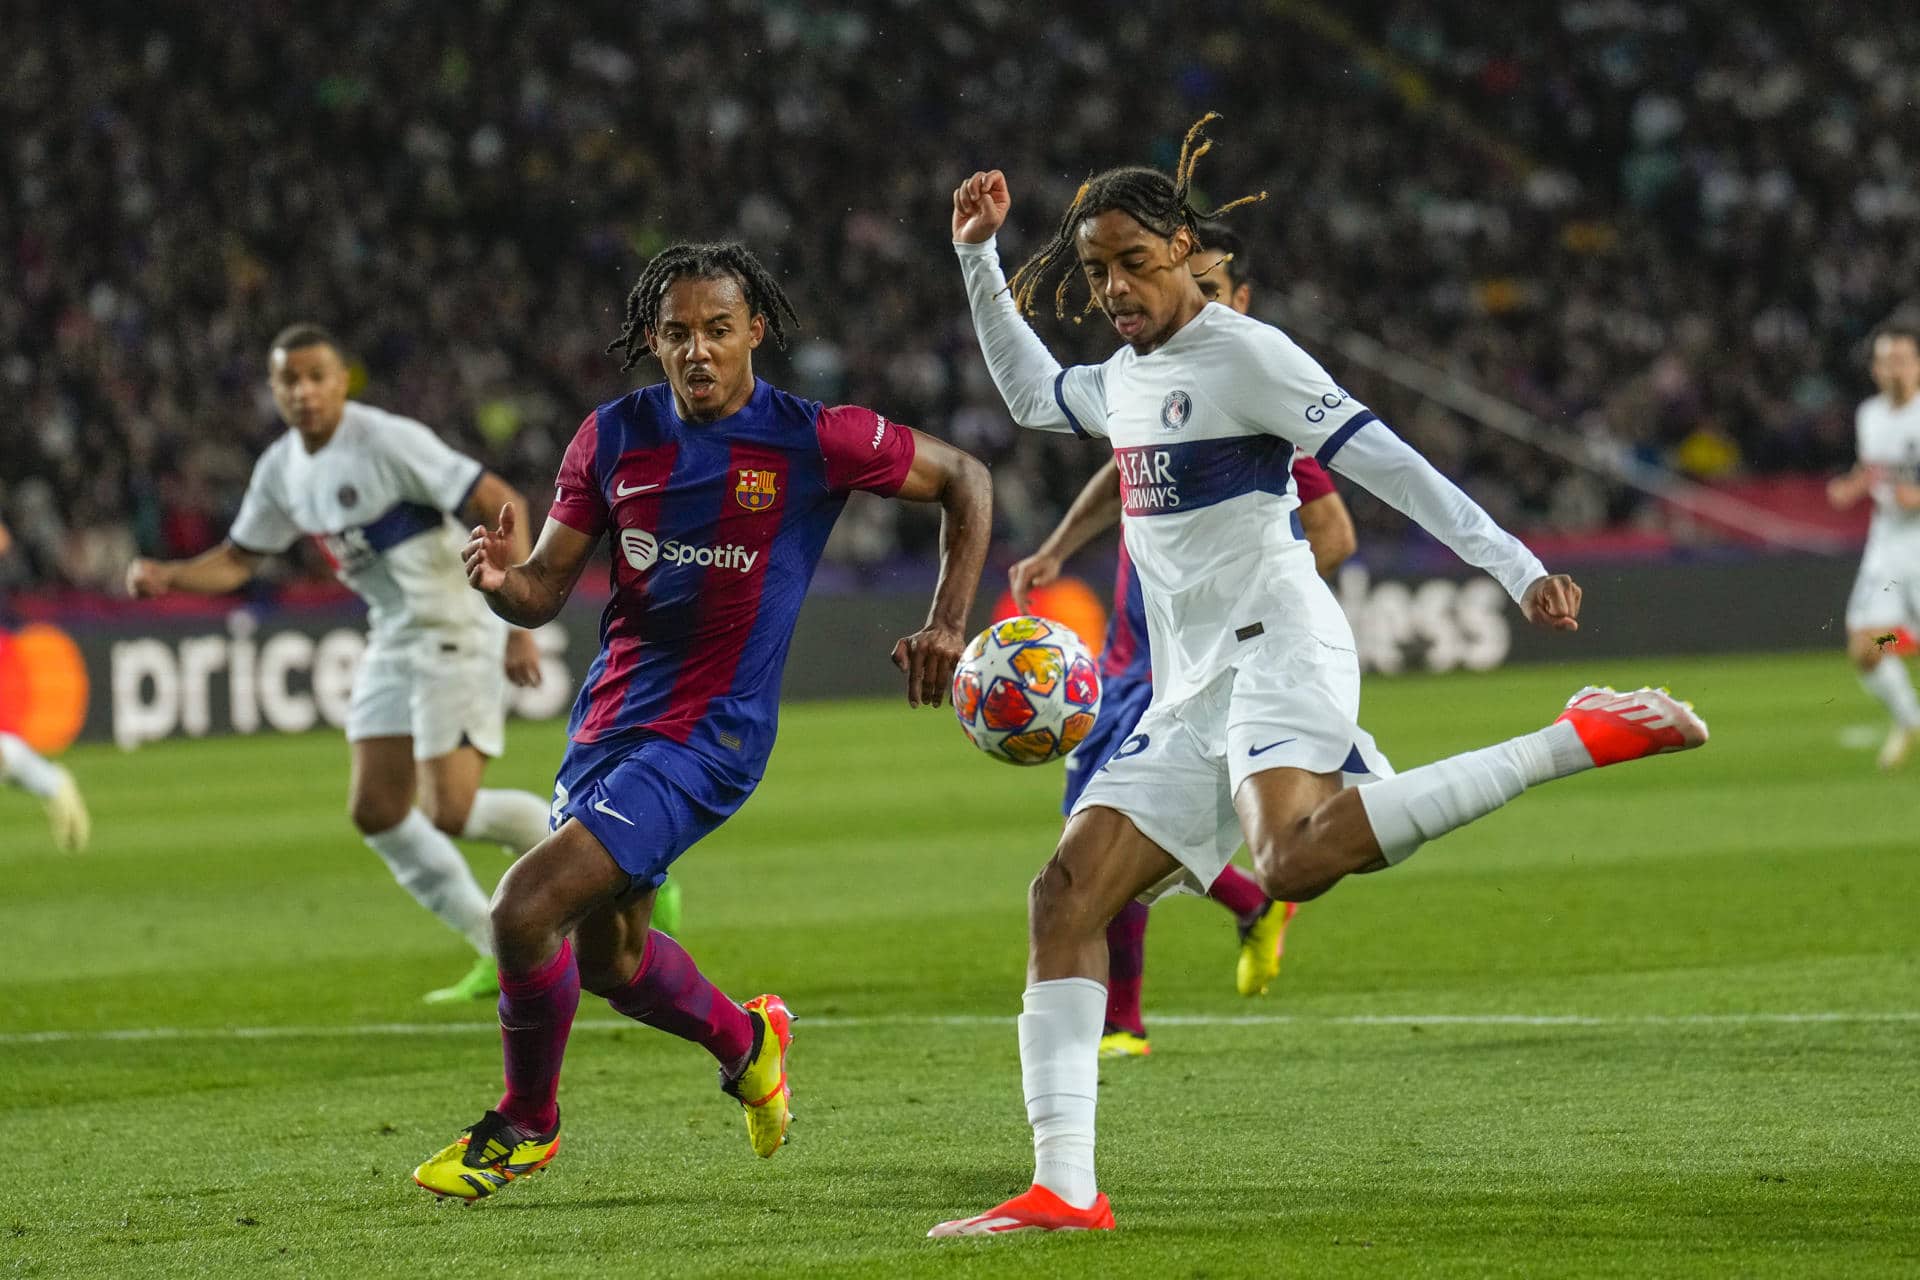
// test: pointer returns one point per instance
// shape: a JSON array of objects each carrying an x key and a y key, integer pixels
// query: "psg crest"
[
  {"x": 1175, "y": 410},
  {"x": 756, "y": 490}
]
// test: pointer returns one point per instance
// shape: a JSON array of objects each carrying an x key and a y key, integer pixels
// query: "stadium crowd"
[{"x": 1664, "y": 228}]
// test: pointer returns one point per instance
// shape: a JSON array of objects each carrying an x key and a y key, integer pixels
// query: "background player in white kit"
[
  {"x": 1886, "y": 593},
  {"x": 1256, "y": 683},
  {"x": 376, "y": 489}
]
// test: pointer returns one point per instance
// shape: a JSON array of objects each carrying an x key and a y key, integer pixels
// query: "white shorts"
[
  {"x": 1176, "y": 776},
  {"x": 1886, "y": 591},
  {"x": 440, "y": 691}
]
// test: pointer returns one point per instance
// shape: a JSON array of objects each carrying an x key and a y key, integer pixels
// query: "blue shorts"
[
  {"x": 647, "y": 801},
  {"x": 1121, "y": 706}
]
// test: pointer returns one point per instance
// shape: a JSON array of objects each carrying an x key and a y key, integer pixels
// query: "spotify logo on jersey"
[
  {"x": 640, "y": 548},
  {"x": 643, "y": 551}
]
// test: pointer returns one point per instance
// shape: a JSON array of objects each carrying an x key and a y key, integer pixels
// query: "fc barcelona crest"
[{"x": 757, "y": 489}]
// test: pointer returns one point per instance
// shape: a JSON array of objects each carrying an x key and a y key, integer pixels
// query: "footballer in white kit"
[
  {"x": 1253, "y": 729},
  {"x": 388, "y": 501},
  {"x": 1886, "y": 592}
]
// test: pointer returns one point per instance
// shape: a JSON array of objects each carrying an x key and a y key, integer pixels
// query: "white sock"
[
  {"x": 20, "y": 764},
  {"x": 1425, "y": 803},
  {"x": 516, "y": 819},
  {"x": 427, "y": 866},
  {"x": 1060, "y": 1070},
  {"x": 1889, "y": 682}
]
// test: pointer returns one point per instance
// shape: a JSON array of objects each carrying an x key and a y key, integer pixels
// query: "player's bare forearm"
[
  {"x": 959, "y": 483},
  {"x": 530, "y": 593},
  {"x": 1329, "y": 530},
  {"x": 225, "y": 568},
  {"x": 1095, "y": 510},
  {"x": 529, "y": 596},
  {"x": 490, "y": 497}
]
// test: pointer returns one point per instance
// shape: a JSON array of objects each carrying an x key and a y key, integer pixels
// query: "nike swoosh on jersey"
[
  {"x": 622, "y": 490},
  {"x": 1256, "y": 751},
  {"x": 603, "y": 807}
]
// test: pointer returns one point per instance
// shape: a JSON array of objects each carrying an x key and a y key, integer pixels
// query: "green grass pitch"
[{"x": 1660, "y": 1019}]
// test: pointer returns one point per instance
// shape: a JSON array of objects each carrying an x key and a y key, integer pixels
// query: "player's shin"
[
  {"x": 536, "y": 1016},
  {"x": 1424, "y": 804},
  {"x": 1892, "y": 687},
  {"x": 20, "y": 764},
  {"x": 431, "y": 869},
  {"x": 516, "y": 819},
  {"x": 669, "y": 992},
  {"x": 1126, "y": 966},
  {"x": 1060, "y": 1072}
]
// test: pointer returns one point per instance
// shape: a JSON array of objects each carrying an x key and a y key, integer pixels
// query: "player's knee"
[
  {"x": 521, "y": 916},
  {"x": 1865, "y": 657},
  {"x": 1053, "y": 906},
  {"x": 372, "y": 814},
  {"x": 1284, "y": 861}
]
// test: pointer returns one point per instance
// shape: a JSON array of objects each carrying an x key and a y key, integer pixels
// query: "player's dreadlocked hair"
[
  {"x": 765, "y": 297},
  {"x": 1148, "y": 196}
]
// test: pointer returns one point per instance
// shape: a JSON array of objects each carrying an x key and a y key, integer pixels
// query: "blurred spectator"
[{"x": 1664, "y": 226}]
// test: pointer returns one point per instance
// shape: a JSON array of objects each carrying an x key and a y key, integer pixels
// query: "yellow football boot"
[
  {"x": 1260, "y": 946},
  {"x": 762, "y": 1086},
  {"x": 1123, "y": 1044},
  {"x": 487, "y": 1157}
]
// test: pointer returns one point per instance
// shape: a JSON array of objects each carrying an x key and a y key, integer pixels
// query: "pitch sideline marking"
[{"x": 832, "y": 1021}]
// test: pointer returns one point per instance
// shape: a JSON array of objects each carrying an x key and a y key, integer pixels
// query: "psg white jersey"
[
  {"x": 1203, "y": 430},
  {"x": 1890, "y": 438},
  {"x": 377, "y": 498}
]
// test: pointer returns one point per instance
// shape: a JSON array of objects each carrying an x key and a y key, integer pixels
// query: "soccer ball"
[{"x": 1026, "y": 691}]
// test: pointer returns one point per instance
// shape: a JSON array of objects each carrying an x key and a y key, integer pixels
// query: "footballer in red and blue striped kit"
[{"x": 716, "y": 492}]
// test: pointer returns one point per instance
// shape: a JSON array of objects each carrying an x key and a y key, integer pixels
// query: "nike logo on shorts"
[
  {"x": 601, "y": 806},
  {"x": 622, "y": 490},
  {"x": 1257, "y": 751}
]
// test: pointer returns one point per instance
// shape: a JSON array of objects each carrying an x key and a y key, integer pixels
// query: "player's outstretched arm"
[
  {"x": 1392, "y": 470},
  {"x": 1023, "y": 370},
  {"x": 959, "y": 482},
  {"x": 492, "y": 496},
  {"x": 1095, "y": 510},
  {"x": 530, "y": 592},
  {"x": 225, "y": 568}
]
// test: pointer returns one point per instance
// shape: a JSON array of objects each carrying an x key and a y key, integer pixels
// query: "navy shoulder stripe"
[
  {"x": 400, "y": 522},
  {"x": 1060, "y": 398},
  {"x": 1338, "y": 439}
]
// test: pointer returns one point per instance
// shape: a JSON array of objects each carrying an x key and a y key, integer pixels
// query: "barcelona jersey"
[{"x": 715, "y": 530}]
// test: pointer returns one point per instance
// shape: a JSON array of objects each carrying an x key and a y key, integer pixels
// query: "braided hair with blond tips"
[
  {"x": 1150, "y": 197},
  {"x": 713, "y": 261}
]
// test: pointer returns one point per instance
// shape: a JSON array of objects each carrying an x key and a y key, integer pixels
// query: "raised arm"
[
  {"x": 527, "y": 593},
  {"x": 490, "y": 498},
  {"x": 1095, "y": 510},
  {"x": 225, "y": 568},
  {"x": 1023, "y": 369},
  {"x": 959, "y": 483}
]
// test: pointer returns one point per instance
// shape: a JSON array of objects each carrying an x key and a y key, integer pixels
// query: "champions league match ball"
[{"x": 1026, "y": 691}]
